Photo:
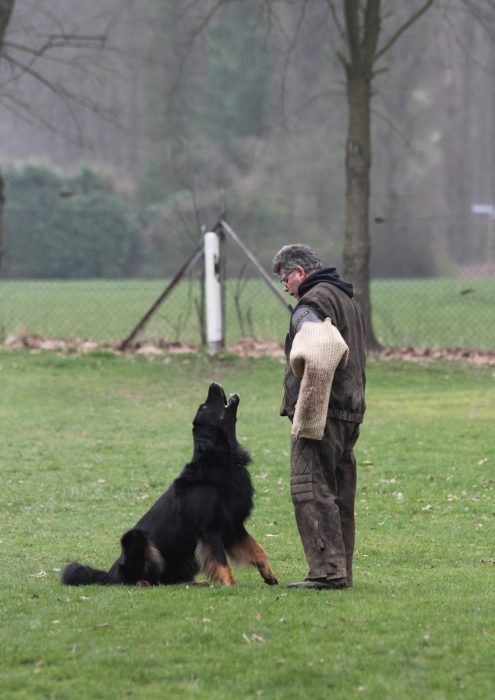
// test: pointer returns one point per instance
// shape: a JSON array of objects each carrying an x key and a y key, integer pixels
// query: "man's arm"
[{"x": 302, "y": 315}]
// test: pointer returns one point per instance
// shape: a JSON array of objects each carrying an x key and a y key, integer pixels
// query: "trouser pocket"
[{"x": 301, "y": 488}]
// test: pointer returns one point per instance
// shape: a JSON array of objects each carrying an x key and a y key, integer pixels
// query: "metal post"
[
  {"x": 223, "y": 225},
  {"x": 213, "y": 289},
  {"x": 177, "y": 278}
]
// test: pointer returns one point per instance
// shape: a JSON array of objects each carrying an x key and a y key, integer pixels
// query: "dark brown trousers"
[{"x": 323, "y": 488}]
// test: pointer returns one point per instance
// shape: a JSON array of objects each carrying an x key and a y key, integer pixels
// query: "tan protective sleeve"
[{"x": 317, "y": 350}]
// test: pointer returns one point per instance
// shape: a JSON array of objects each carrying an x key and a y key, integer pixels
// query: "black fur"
[{"x": 199, "y": 520}]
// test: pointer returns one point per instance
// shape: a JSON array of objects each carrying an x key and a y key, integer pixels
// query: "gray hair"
[{"x": 296, "y": 255}]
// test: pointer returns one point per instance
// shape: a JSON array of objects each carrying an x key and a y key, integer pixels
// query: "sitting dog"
[{"x": 199, "y": 520}]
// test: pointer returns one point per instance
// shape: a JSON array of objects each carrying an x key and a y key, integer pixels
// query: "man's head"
[{"x": 293, "y": 263}]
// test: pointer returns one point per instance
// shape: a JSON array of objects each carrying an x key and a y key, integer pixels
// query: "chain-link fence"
[{"x": 450, "y": 311}]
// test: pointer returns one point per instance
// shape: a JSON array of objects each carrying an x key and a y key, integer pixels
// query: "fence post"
[{"x": 213, "y": 293}]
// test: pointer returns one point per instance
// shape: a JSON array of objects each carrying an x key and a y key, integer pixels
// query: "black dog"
[{"x": 199, "y": 520}]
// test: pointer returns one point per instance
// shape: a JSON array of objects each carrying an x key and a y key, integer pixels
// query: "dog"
[{"x": 198, "y": 523}]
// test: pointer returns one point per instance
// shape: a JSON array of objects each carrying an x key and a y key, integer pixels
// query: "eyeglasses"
[{"x": 283, "y": 280}]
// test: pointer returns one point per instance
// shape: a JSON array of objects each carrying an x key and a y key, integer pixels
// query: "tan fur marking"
[
  {"x": 223, "y": 575},
  {"x": 212, "y": 568}
]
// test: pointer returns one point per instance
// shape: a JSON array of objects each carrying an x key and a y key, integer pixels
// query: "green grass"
[
  {"x": 444, "y": 313},
  {"x": 89, "y": 442}
]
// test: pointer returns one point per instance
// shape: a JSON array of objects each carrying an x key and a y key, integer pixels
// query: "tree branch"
[
  {"x": 352, "y": 31},
  {"x": 391, "y": 41},
  {"x": 290, "y": 49},
  {"x": 287, "y": 117},
  {"x": 23, "y": 111},
  {"x": 390, "y": 123},
  {"x": 209, "y": 16},
  {"x": 61, "y": 92},
  {"x": 336, "y": 19}
]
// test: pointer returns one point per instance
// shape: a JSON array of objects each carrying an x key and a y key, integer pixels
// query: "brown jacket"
[{"x": 347, "y": 395}]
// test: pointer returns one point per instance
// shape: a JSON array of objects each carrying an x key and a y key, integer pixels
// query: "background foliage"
[
  {"x": 254, "y": 107},
  {"x": 60, "y": 225}
]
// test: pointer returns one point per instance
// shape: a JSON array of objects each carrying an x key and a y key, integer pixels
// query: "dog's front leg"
[
  {"x": 212, "y": 560},
  {"x": 248, "y": 551}
]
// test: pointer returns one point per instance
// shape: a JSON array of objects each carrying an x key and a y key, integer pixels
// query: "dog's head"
[{"x": 214, "y": 423}]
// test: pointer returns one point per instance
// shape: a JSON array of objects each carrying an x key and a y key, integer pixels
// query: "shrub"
[{"x": 65, "y": 227}]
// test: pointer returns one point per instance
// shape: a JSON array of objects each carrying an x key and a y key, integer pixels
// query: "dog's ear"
[{"x": 234, "y": 401}]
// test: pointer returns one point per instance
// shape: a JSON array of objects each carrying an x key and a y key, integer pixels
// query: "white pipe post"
[{"x": 213, "y": 294}]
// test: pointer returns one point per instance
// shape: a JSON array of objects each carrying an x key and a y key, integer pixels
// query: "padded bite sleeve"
[{"x": 318, "y": 349}]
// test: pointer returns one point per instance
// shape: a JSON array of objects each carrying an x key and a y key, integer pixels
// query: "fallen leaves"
[
  {"x": 245, "y": 347},
  {"x": 254, "y": 638},
  {"x": 476, "y": 357}
]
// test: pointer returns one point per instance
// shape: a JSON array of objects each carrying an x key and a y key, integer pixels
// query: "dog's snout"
[{"x": 216, "y": 394}]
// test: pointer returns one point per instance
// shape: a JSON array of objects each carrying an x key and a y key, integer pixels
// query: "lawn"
[
  {"x": 89, "y": 442},
  {"x": 443, "y": 313}
]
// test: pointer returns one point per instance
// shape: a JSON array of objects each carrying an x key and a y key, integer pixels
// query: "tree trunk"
[
  {"x": 6, "y": 7},
  {"x": 2, "y": 199},
  {"x": 357, "y": 246}
]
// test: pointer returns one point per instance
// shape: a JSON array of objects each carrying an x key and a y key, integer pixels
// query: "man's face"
[{"x": 292, "y": 280}]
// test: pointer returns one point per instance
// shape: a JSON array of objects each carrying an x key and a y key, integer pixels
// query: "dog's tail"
[
  {"x": 139, "y": 563},
  {"x": 75, "y": 574}
]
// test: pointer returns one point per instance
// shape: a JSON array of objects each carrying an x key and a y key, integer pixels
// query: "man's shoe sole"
[{"x": 318, "y": 585}]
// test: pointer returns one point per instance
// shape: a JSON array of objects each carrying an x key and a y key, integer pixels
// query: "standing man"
[{"x": 324, "y": 399}]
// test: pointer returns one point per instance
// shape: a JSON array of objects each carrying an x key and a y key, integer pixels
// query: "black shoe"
[{"x": 320, "y": 584}]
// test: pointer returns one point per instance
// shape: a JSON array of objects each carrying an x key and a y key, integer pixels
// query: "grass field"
[
  {"x": 443, "y": 313},
  {"x": 89, "y": 442}
]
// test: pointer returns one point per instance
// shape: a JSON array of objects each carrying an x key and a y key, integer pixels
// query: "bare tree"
[
  {"x": 44, "y": 54},
  {"x": 360, "y": 32},
  {"x": 358, "y": 24}
]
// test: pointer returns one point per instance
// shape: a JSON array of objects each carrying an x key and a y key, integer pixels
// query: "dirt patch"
[
  {"x": 477, "y": 357},
  {"x": 246, "y": 347}
]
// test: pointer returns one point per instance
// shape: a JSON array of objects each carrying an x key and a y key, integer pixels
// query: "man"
[{"x": 326, "y": 406}]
